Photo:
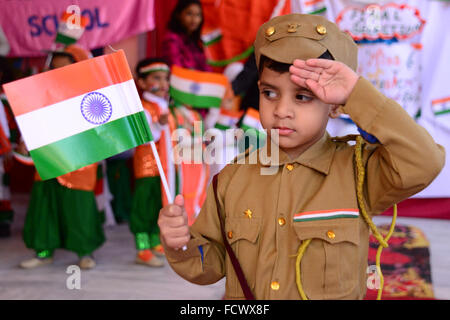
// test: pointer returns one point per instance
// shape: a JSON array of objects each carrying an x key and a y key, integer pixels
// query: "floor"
[{"x": 117, "y": 277}]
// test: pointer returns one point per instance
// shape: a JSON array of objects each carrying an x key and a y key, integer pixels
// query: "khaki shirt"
[{"x": 321, "y": 180}]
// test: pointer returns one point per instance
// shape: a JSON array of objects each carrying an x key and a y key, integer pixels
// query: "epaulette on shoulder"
[{"x": 347, "y": 138}]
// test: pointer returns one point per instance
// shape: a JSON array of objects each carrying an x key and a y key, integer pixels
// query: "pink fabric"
[
  {"x": 30, "y": 27},
  {"x": 180, "y": 50},
  {"x": 432, "y": 208}
]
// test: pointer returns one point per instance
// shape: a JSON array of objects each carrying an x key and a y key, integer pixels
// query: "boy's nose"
[{"x": 282, "y": 109}]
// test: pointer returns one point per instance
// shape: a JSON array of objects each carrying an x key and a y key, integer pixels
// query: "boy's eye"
[
  {"x": 303, "y": 97},
  {"x": 269, "y": 94}
]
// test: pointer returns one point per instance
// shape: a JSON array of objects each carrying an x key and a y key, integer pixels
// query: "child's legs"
[
  {"x": 119, "y": 182},
  {"x": 144, "y": 212},
  {"x": 42, "y": 226},
  {"x": 81, "y": 222}
]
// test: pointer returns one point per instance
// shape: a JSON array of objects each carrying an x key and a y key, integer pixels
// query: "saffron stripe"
[
  {"x": 200, "y": 76},
  {"x": 201, "y": 88},
  {"x": 90, "y": 146},
  {"x": 57, "y": 85}
]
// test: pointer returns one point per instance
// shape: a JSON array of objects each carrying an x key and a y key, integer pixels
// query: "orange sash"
[
  {"x": 81, "y": 179},
  {"x": 144, "y": 162}
]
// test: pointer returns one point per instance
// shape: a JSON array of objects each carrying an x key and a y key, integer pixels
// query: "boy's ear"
[{"x": 335, "y": 111}]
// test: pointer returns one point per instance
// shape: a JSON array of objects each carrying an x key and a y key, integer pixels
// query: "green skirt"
[
  {"x": 144, "y": 212},
  {"x": 59, "y": 217},
  {"x": 119, "y": 182}
]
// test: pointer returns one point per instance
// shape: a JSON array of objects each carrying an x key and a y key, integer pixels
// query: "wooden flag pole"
[{"x": 163, "y": 176}]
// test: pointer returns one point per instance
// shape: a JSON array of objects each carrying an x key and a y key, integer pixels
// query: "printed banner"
[{"x": 31, "y": 26}]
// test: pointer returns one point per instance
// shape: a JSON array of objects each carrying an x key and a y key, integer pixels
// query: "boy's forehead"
[
  {"x": 301, "y": 36},
  {"x": 276, "y": 80}
]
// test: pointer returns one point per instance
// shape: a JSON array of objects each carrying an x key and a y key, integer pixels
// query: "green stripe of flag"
[
  {"x": 326, "y": 218},
  {"x": 438, "y": 113},
  {"x": 319, "y": 11},
  {"x": 212, "y": 41},
  {"x": 90, "y": 146},
  {"x": 194, "y": 100},
  {"x": 221, "y": 126},
  {"x": 61, "y": 38}
]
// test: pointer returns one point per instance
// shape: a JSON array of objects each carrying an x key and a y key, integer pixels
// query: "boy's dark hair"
[
  {"x": 59, "y": 54},
  {"x": 146, "y": 62},
  {"x": 283, "y": 67},
  {"x": 175, "y": 25}
]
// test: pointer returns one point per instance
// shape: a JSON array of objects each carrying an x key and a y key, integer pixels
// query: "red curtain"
[{"x": 162, "y": 10}]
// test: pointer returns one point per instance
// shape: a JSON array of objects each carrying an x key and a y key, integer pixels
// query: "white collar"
[{"x": 161, "y": 102}]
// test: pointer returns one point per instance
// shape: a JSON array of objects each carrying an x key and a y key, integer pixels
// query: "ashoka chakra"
[{"x": 96, "y": 108}]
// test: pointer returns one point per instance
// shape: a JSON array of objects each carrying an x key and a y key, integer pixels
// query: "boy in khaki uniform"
[{"x": 312, "y": 196}]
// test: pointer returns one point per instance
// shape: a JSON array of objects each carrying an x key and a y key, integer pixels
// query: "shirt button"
[
  {"x": 281, "y": 221},
  {"x": 230, "y": 234},
  {"x": 331, "y": 235},
  {"x": 275, "y": 285},
  {"x": 290, "y": 167}
]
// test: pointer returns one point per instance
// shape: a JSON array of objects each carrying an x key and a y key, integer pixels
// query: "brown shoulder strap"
[{"x": 234, "y": 261}]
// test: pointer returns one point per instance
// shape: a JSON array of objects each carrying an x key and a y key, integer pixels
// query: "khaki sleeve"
[
  {"x": 205, "y": 233},
  {"x": 406, "y": 160}
]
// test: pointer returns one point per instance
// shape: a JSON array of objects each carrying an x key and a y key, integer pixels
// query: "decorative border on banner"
[{"x": 380, "y": 35}]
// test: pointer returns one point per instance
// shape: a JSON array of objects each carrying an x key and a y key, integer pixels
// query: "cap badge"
[
  {"x": 321, "y": 29},
  {"x": 292, "y": 27}
]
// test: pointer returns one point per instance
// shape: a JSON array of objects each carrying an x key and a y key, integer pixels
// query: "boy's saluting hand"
[
  {"x": 173, "y": 224},
  {"x": 330, "y": 81}
]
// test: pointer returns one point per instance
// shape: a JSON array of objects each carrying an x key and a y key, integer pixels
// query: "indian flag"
[
  {"x": 197, "y": 88},
  {"x": 228, "y": 119},
  {"x": 211, "y": 37},
  {"x": 251, "y": 120},
  {"x": 441, "y": 106},
  {"x": 326, "y": 214},
  {"x": 79, "y": 114},
  {"x": 68, "y": 31}
]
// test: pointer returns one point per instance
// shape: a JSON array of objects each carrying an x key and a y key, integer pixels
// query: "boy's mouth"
[{"x": 284, "y": 131}]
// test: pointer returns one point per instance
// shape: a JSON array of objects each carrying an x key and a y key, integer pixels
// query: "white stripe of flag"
[{"x": 64, "y": 119}]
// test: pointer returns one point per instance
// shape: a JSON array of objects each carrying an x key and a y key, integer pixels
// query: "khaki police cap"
[{"x": 303, "y": 36}]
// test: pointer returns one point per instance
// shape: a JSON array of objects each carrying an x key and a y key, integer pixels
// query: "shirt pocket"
[
  {"x": 243, "y": 235},
  {"x": 330, "y": 267}
]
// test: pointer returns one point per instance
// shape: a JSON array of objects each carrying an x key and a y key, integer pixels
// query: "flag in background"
[
  {"x": 212, "y": 36},
  {"x": 228, "y": 119},
  {"x": 251, "y": 120},
  {"x": 79, "y": 114},
  {"x": 68, "y": 32},
  {"x": 198, "y": 89}
]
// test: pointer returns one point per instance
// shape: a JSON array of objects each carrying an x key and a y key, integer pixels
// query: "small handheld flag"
[
  {"x": 79, "y": 114},
  {"x": 69, "y": 31},
  {"x": 198, "y": 89},
  {"x": 228, "y": 119}
]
